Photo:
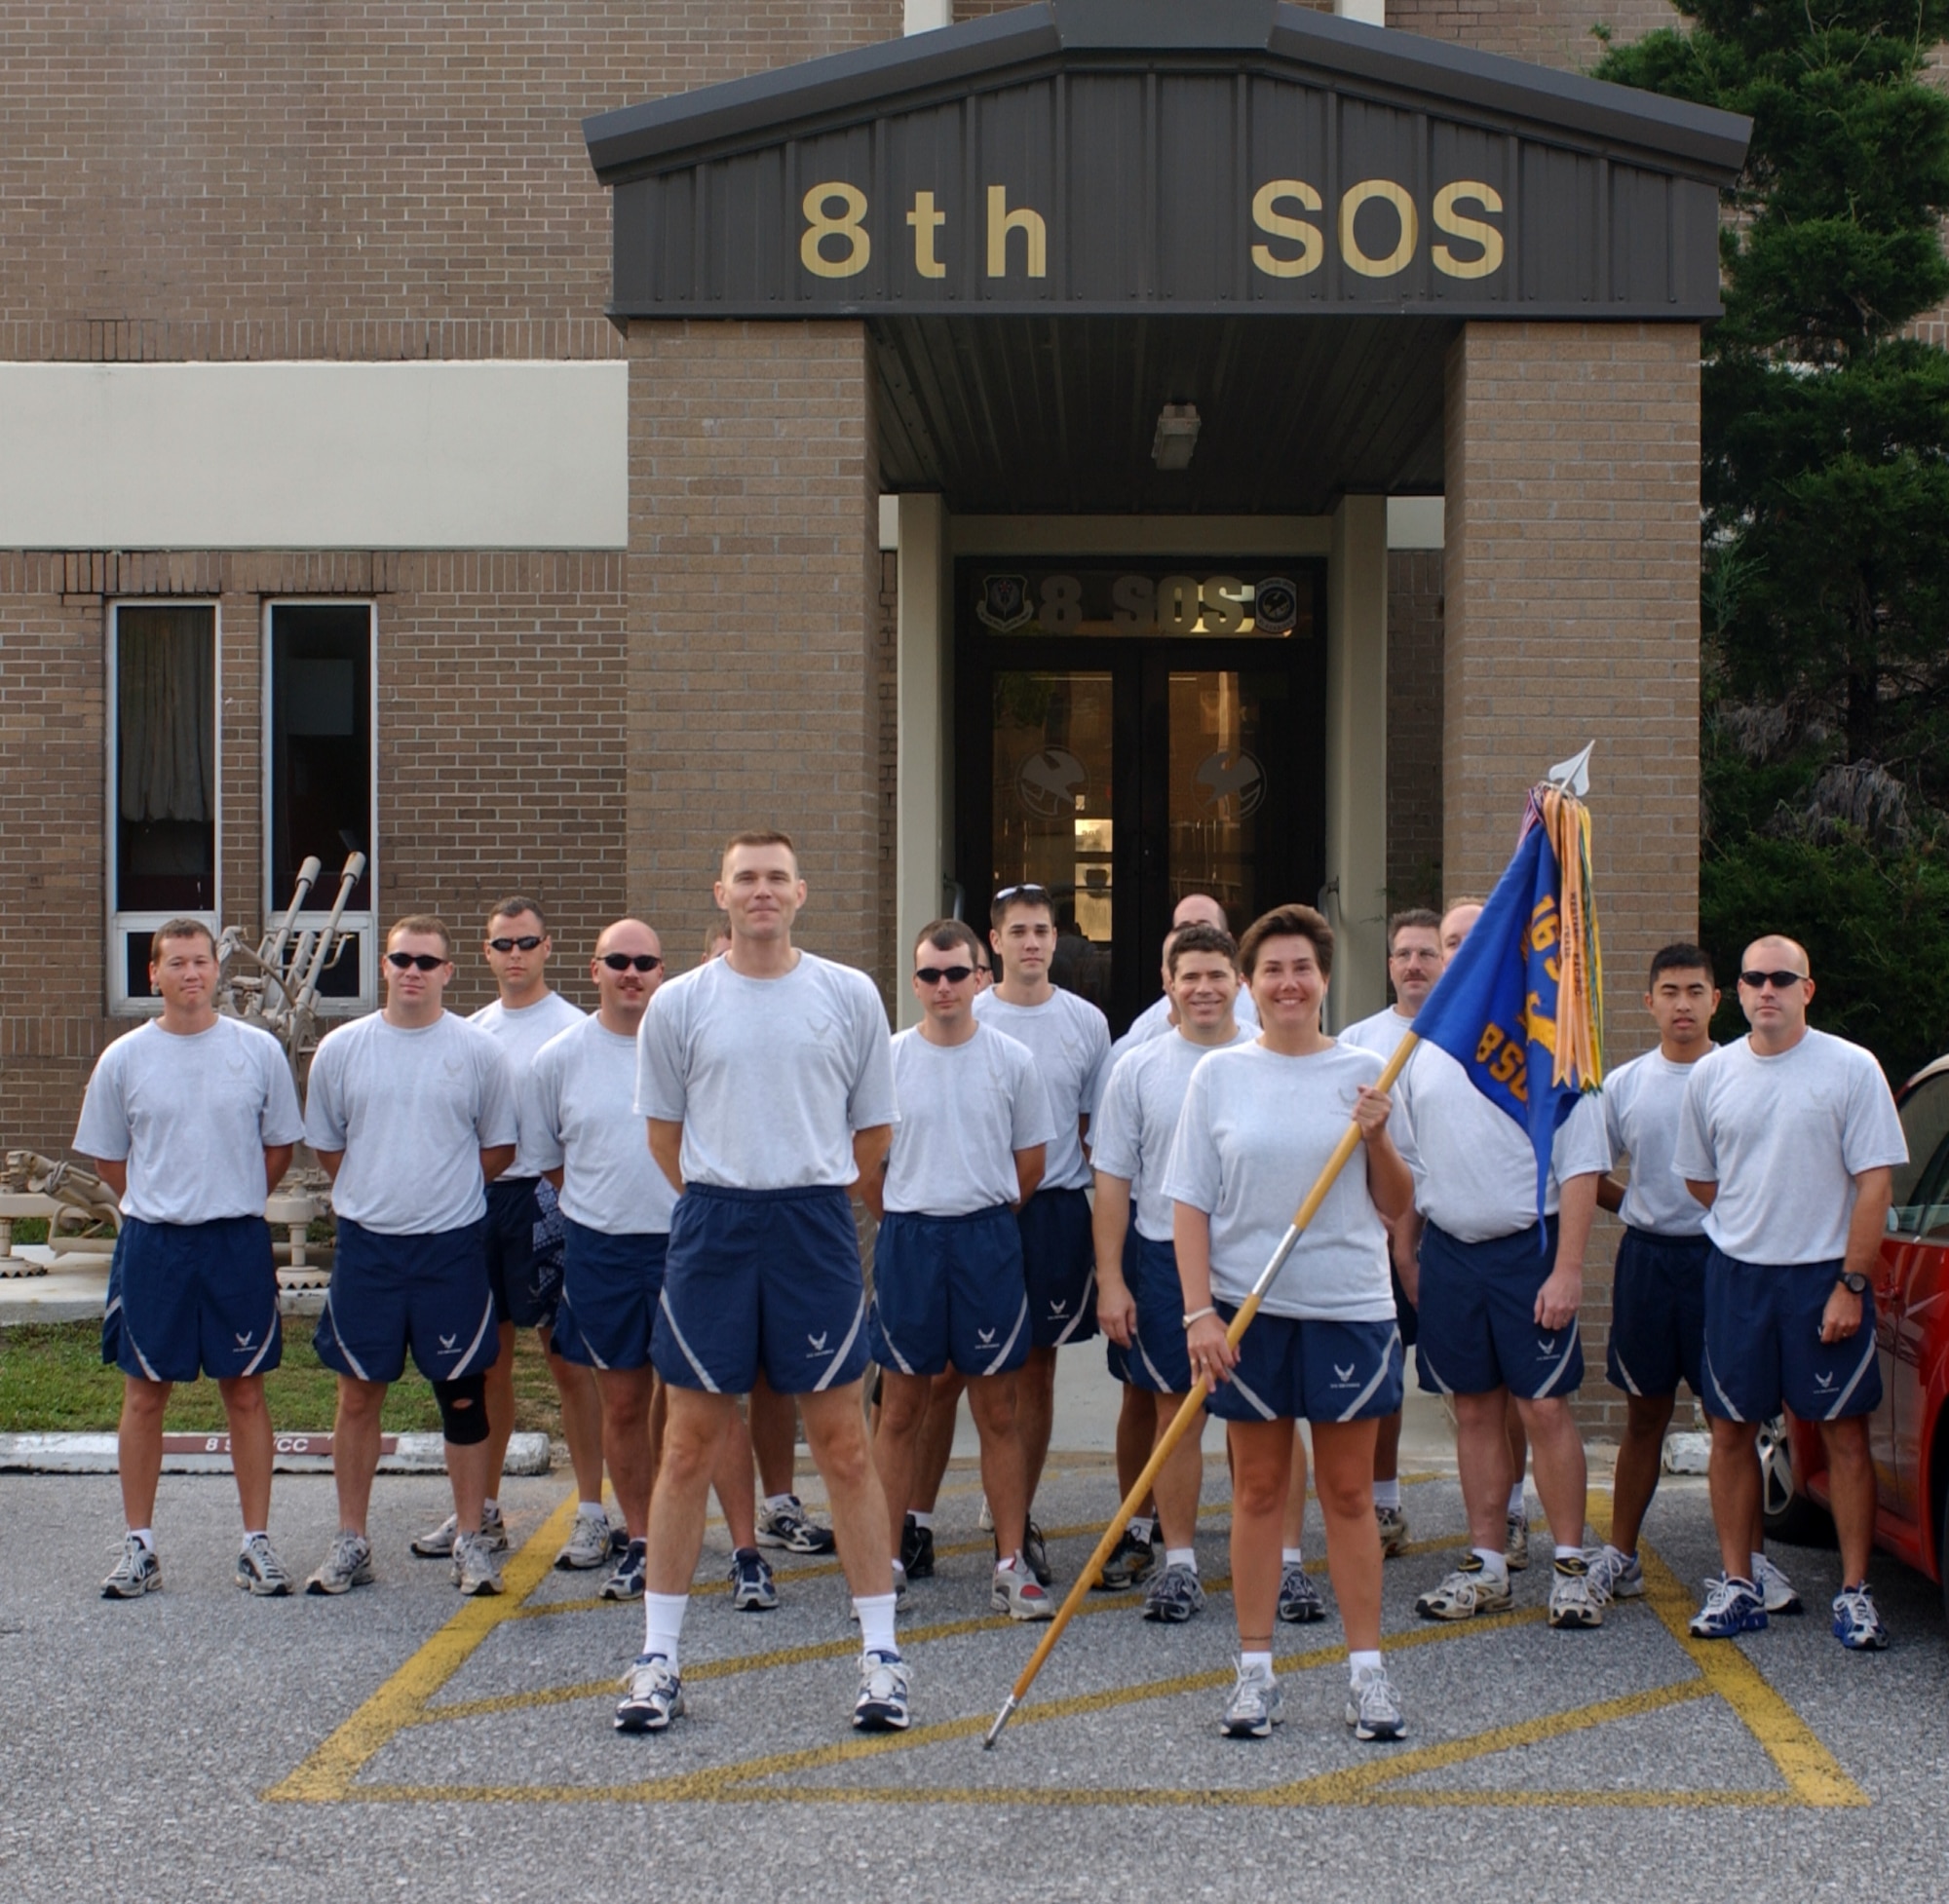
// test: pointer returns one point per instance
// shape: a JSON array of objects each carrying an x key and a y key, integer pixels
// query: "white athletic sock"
[
  {"x": 489, "y": 1506},
  {"x": 1494, "y": 1561},
  {"x": 1360, "y": 1664},
  {"x": 1568, "y": 1553},
  {"x": 920, "y": 1519},
  {"x": 254, "y": 1533},
  {"x": 776, "y": 1500},
  {"x": 662, "y": 1623},
  {"x": 1516, "y": 1499},
  {"x": 876, "y": 1622},
  {"x": 1262, "y": 1660},
  {"x": 1143, "y": 1527},
  {"x": 1292, "y": 1557},
  {"x": 145, "y": 1534},
  {"x": 592, "y": 1510},
  {"x": 1180, "y": 1557},
  {"x": 1387, "y": 1494}
]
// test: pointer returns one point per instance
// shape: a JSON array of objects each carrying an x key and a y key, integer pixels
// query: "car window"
[{"x": 1925, "y": 1123}]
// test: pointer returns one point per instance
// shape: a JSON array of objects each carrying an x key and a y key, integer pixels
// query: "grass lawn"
[{"x": 52, "y": 1377}]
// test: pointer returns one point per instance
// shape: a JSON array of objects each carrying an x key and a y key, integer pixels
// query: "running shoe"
[
  {"x": 1255, "y": 1707},
  {"x": 136, "y": 1573},
  {"x": 476, "y": 1570},
  {"x": 1732, "y": 1607},
  {"x": 1775, "y": 1589},
  {"x": 587, "y": 1545},
  {"x": 1131, "y": 1563},
  {"x": 627, "y": 1582},
  {"x": 349, "y": 1564},
  {"x": 652, "y": 1696},
  {"x": 753, "y": 1588},
  {"x": 1571, "y": 1601},
  {"x": 1857, "y": 1624},
  {"x": 437, "y": 1542},
  {"x": 1019, "y": 1593},
  {"x": 1469, "y": 1590},
  {"x": 260, "y": 1571},
  {"x": 1516, "y": 1543},
  {"x": 1393, "y": 1524},
  {"x": 791, "y": 1528},
  {"x": 1373, "y": 1708},
  {"x": 1614, "y": 1575},
  {"x": 917, "y": 1549},
  {"x": 882, "y": 1705},
  {"x": 1036, "y": 1552},
  {"x": 1299, "y": 1601},
  {"x": 1174, "y": 1596}
]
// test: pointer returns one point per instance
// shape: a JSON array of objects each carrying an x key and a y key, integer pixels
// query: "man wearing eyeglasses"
[
  {"x": 412, "y": 1113},
  {"x": 1789, "y": 1137},
  {"x": 947, "y": 1265}
]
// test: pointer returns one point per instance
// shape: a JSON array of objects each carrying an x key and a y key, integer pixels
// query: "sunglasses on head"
[
  {"x": 1778, "y": 980},
  {"x": 934, "y": 974},
  {"x": 525, "y": 943},
  {"x": 415, "y": 961},
  {"x": 632, "y": 961},
  {"x": 1021, "y": 892}
]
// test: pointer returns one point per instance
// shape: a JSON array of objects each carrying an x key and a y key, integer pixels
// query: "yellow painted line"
[
  {"x": 327, "y": 1772},
  {"x": 1812, "y": 1772}
]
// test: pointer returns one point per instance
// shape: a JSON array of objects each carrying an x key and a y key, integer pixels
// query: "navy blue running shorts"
[
  {"x": 610, "y": 1286},
  {"x": 1478, "y": 1326},
  {"x": 1294, "y": 1369},
  {"x": 424, "y": 1294},
  {"x": 523, "y": 1241},
  {"x": 950, "y": 1289},
  {"x": 1763, "y": 1344},
  {"x": 1158, "y": 1360},
  {"x": 1657, "y": 1315},
  {"x": 1059, "y": 1266},
  {"x": 193, "y": 1298}
]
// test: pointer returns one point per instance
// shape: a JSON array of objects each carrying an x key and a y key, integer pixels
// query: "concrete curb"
[{"x": 209, "y": 1454}]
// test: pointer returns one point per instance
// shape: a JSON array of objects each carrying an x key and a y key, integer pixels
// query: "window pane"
[
  {"x": 321, "y": 748},
  {"x": 1218, "y": 784},
  {"x": 165, "y": 761}
]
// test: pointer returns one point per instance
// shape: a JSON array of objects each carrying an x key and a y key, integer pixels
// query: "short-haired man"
[
  {"x": 1789, "y": 1138},
  {"x": 1158, "y": 1016},
  {"x": 1415, "y": 961},
  {"x": 1499, "y": 1298},
  {"x": 1131, "y": 1136},
  {"x": 767, "y": 1078},
  {"x": 1657, "y": 1290},
  {"x": 412, "y": 1113},
  {"x": 191, "y": 1120},
  {"x": 1071, "y": 1043},
  {"x": 948, "y": 1265}
]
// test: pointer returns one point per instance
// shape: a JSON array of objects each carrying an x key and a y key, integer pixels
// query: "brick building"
[{"x": 395, "y": 461}]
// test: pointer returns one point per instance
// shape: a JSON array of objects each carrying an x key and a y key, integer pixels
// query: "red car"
[{"x": 1908, "y": 1433}]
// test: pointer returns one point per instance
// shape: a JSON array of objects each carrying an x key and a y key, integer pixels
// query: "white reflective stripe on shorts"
[
  {"x": 1853, "y": 1381},
  {"x": 1087, "y": 1307},
  {"x": 702, "y": 1373},
  {"x": 1429, "y": 1369},
  {"x": 1366, "y": 1394},
  {"x": 844, "y": 1349},
  {"x": 128, "y": 1336},
  {"x": 324, "y": 1316},
  {"x": 1563, "y": 1362},
  {"x": 270, "y": 1336},
  {"x": 1014, "y": 1335},
  {"x": 1630, "y": 1381},
  {"x": 1144, "y": 1355},
  {"x": 480, "y": 1335},
  {"x": 1252, "y": 1398},
  {"x": 893, "y": 1349},
  {"x": 1729, "y": 1412}
]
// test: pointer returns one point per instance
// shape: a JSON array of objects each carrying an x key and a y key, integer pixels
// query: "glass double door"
[{"x": 1122, "y": 774}]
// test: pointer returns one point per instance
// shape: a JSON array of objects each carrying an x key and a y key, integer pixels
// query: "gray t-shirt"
[
  {"x": 1381, "y": 1034},
  {"x": 769, "y": 1077},
  {"x": 1132, "y": 1132},
  {"x": 585, "y": 1124},
  {"x": 1153, "y": 1020},
  {"x": 965, "y": 1111},
  {"x": 1070, "y": 1039},
  {"x": 192, "y": 1116},
  {"x": 1642, "y": 1103},
  {"x": 1474, "y": 1173},
  {"x": 412, "y": 1110},
  {"x": 520, "y": 1034},
  {"x": 1254, "y": 1133},
  {"x": 1783, "y": 1138}
]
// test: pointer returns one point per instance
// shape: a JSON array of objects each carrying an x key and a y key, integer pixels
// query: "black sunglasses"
[
  {"x": 628, "y": 961},
  {"x": 1021, "y": 892},
  {"x": 423, "y": 960},
  {"x": 934, "y": 974},
  {"x": 525, "y": 943},
  {"x": 1778, "y": 980}
]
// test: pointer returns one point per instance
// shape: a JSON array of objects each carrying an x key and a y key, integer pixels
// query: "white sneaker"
[
  {"x": 349, "y": 1564},
  {"x": 476, "y": 1570},
  {"x": 1255, "y": 1707},
  {"x": 1373, "y": 1708},
  {"x": 1614, "y": 1575},
  {"x": 1775, "y": 1589},
  {"x": 1019, "y": 1594},
  {"x": 1571, "y": 1601},
  {"x": 1469, "y": 1590},
  {"x": 587, "y": 1545}
]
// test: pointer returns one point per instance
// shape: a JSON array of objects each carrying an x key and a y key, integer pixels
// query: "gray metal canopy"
[{"x": 1110, "y": 158}]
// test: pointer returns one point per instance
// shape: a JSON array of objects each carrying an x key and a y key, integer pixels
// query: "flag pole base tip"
[{"x": 1000, "y": 1719}]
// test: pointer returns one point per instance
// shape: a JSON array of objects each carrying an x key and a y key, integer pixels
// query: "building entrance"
[{"x": 1127, "y": 731}]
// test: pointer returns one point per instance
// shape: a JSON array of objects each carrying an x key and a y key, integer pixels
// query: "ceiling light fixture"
[{"x": 1177, "y": 437}]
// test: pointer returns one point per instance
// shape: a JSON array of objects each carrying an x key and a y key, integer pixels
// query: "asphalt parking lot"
[{"x": 199, "y": 1743}]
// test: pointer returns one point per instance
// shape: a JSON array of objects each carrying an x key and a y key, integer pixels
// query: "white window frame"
[
  {"x": 122, "y": 1003},
  {"x": 364, "y": 924}
]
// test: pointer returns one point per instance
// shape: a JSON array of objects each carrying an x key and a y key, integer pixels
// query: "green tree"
[{"x": 1825, "y": 439}]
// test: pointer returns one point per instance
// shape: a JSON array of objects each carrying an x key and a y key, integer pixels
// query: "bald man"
[{"x": 1789, "y": 1138}]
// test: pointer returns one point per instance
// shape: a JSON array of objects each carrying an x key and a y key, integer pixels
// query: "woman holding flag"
[{"x": 1259, "y": 1120}]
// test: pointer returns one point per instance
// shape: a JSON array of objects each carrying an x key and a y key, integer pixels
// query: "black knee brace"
[{"x": 463, "y": 1410}]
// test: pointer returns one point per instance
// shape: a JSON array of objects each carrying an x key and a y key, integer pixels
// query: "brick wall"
[
  {"x": 501, "y": 718},
  {"x": 1572, "y": 568},
  {"x": 754, "y": 578},
  {"x": 1414, "y": 727}
]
